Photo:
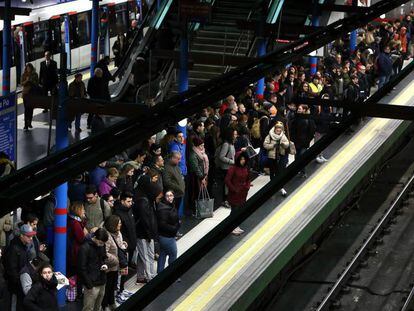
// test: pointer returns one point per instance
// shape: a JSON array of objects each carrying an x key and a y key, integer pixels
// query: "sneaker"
[
  {"x": 127, "y": 293},
  {"x": 319, "y": 160},
  {"x": 26, "y": 129},
  {"x": 323, "y": 158},
  {"x": 120, "y": 299},
  {"x": 30, "y": 126},
  {"x": 236, "y": 232},
  {"x": 240, "y": 230},
  {"x": 283, "y": 192},
  {"x": 226, "y": 204}
]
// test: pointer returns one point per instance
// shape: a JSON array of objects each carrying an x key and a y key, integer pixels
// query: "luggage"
[{"x": 204, "y": 204}]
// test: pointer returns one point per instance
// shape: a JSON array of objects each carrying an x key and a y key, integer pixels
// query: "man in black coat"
[
  {"x": 15, "y": 258},
  {"x": 91, "y": 269},
  {"x": 48, "y": 75},
  {"x": 97, "y": 89},
  {"x": 122, "y": 208},
  {"x": 149, "y": 194}
]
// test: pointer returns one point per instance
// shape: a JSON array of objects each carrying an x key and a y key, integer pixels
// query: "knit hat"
[
  {"x": 197, "y": 141},
  {"x": 27, "y": 230}
]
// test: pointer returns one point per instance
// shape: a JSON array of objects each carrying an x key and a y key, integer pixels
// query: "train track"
[{"x": 349, "y": 293}]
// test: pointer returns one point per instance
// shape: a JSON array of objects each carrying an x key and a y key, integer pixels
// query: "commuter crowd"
[{"x": 125, "y": 215}]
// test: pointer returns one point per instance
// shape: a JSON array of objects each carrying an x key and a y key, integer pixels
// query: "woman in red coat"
[
  {"x": 76, "y": 235},
  {"x": 238, "y": 182}
]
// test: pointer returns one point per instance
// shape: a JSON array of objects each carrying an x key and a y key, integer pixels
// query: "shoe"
[
  {"x": 319, "y": 160},
  {"x": 30, "y": 126},
  {"x": 127, "y": 293},
  {"x": 283, "y": 192},
  {"x": 323, "y": 158},
  {"x": 240, "y": 230},
  {"x": 141, "y": 281},
  {"x": 120, "y": 299},
  {"x": 26, "y": 129},
  {"x": 226, "y": 204},
  {"x": 236, "y": 232}
]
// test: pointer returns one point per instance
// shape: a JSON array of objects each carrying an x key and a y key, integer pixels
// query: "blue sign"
[{"x": 8, "y": 126}]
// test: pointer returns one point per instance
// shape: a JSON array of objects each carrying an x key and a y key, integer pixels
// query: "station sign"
[{"x": 8, "y": 126}]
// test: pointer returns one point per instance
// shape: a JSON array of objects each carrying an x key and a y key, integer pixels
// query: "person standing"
[
  {"x": 122, "y": 208},
  {"x": 30, "y": 82},
  {"x": 150, "y": 194},
  {"x": 15, "y": 258},
  {"x": 98, "y": 90},
  {"x": 96, "y": 209},
  {"x": 173, "y": 178},
  {"x": 77, "y": 89},
  {"x": 48, "y": 76},
  {"x": 42, "y": 295},
  {"x": 385, "y": 65},
  {"x": 168, "y": 225},
  {"x": 238, "y": 182},
  {"x": 119, "y": 48},
  {"x": 198, "y": 167},
  {"x": 92, "y": 269}
]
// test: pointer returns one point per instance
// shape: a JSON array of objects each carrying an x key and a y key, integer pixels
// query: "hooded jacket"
[
  {"x": 167, "y": 219},
  {"x": 91, "y": 257},
  {"x": 238, "y": 182}
]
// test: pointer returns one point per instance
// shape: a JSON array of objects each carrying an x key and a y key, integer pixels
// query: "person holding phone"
[{"x": 92, "y": 269}]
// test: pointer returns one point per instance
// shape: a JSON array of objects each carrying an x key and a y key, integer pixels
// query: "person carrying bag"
[{"x": 204, "y": 204}]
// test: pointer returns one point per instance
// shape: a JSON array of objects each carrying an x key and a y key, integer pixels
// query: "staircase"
[{"x": 222, "y": 37}]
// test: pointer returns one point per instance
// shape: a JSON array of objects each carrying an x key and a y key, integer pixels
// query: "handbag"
[
  {"x": 204, "y": 204},
  {"x": 71, "y": 291},
  {"x": 122, "y": 255},
  {"x": 292, "y": 148}
]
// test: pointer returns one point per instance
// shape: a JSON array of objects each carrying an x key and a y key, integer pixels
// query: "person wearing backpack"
[{"x": 96, "y": 209}]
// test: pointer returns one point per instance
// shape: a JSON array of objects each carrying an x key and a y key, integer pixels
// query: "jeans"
[
  {"x": 145, "y": 259},
  {"x": 383, "y": 80},
  {"x": 168, "y": 247}
]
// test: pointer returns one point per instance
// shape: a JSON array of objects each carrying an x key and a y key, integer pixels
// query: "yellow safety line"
[{"x": 226, "y": 271}]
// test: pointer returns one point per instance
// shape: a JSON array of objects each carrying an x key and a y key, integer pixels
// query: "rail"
[{"x": 346, "y": 274}]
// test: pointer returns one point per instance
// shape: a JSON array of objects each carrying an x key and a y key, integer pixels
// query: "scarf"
[
  {"x": 202, "y": 156},
  {"x": 274, "y": 136}
]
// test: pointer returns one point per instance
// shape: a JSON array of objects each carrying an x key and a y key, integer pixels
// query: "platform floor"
[{"x": 225, "y": 248}]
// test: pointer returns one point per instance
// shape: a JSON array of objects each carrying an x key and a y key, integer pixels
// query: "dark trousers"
[
  {"x": 28, "y": 114},
  {"x": 219, "y": 191},
  {"x": 277, "y": 165},
  {"x": 298, "y": 155},
  {"x": 111, "y": 281}
]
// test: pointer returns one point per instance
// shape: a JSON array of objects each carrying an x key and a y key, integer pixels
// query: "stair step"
[
  {"x": 208, "y": 68},
  {"x": 230, "y": 16},
  {"x": 204, "y": 75},
  {"x": 240, "y": 4},
  {"x": 215, "y": 41},
  {"x": 214, "y": 33},
  {"x": 228, "y": 49}
]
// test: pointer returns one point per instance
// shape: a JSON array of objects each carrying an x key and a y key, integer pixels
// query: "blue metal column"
[
  {"x": 107, "y": 44},
  {"x": 261, "y": 51},
  {"x": 61, "y": 192},
  {"x": 314, "y": 59},
  {"x": 67, "y": 42},
  {"x": 353, "y": 36},
  {"x": 6, "y": 48},
  {"x": 94, "y": 34},
  {"x": 139, "y": 5},
  {"x": 182, "y": 87}
]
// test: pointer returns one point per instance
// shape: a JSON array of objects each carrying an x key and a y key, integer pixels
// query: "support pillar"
[
  {"x": 353, "y": 36},
  {"x": 6, "y": 48},
  {"x": 182, "y": 87},
  {"x": 61, "y": 192},
  {"x": 67, "y": 42},
  {"x": 261, "y": 51},
  {"x": 314, "y": 59},
  {"x": 94, "y": 35}
]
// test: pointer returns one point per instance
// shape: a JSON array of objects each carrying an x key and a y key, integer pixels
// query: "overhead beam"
[{"x": 15, "y": 11}]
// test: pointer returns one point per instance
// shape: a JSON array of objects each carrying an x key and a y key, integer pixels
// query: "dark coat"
[
  {"x": 167, "y": 219},
  {"x": 48, "y": 75},
  {"x": 302, "y": 131},
  {"x": 146, "y": 221},
  {"x": 91, "y": 257},
  {"x": 128, "y": 225},
  {"x": 15, "y": 258},
  {"x": 42, "y": 296},
  {"x": 98, "y": 88},
  {"x": 76, "y": 237},
  {"x": 173, "y": 180},
  {"x": 384, "y": 64},
  {"x": 238, "y": 182}
]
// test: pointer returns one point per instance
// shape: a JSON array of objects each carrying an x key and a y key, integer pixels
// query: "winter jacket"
[
  {"x": 106, "y": 186},
  {"x": 6, "y": 225},
  {"x": 97, "y": 175},
  {"x": 271, "y": 143},
  {"x": 98, "y": 88},
  {"x": 225, "y": 156},
  {"x": 128, "y": 225},
  {"x": 196, "y": 165},
  {"x": 42, "y": 296},
  {"x": 174, "y": 180},
  {"x": 125, "y": 184},
  {"x": 96, "y": 213},
  {"x": 112, "y": 254},
  {"x": 302, "y": 131},
  {"x": 238, "y": 183},
  {"x": 15, "y": 258},
  {"x": 28, "y": 276},
  {"x": 76, "y": 237},
  {"x": 384, "y": 64},
  {"x": 167, "y": 219},
  {"x": 175, "y": 146},
  {"x": 91, "y": 257},
  {"x": 146, "y": 221}
]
